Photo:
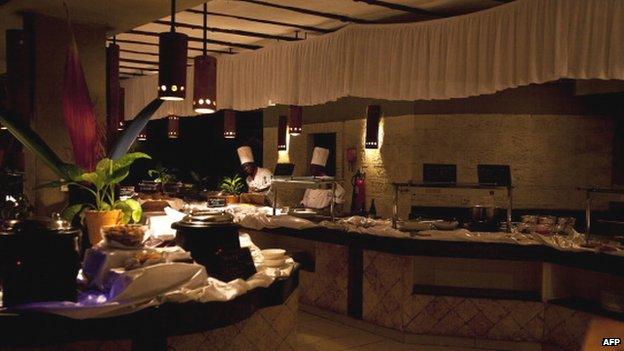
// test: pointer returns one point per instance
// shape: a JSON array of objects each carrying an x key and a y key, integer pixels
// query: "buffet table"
[
  {"x": 373, "y": 278},
  {"x": 261, "y": 319}
]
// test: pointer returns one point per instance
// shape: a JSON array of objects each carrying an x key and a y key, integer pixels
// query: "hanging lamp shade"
[
  {"x": 122, "y": 110},
  {"x": 281, "y": 132},
  {"x": 373, "y": 114},
  {"x": 172, "y": 49},
  {"x": 295, "y": 125},
  {"x": 143, "y": 135},
  {"x": 173, "y": 127},
  {"x": 229, "y": 124},
  {"x": 205, "y": 84}
]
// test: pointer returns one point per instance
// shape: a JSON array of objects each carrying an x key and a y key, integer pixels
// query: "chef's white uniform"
[
  {"x": 321, "y": 198},
  {"x": 261, "y": 182}
]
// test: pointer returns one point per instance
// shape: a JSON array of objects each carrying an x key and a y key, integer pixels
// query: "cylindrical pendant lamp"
[
  {"x": 205, "y": 77},
  {"x": 295, "y": 125},
  {"x": 229, "y": 124},
  {"x": 172, "y": 49},
  {"x": 281, "y": 132},
  {"x": 173, "y": 127},
  {"x": 373, "y": 114},
  {"x": 205, "y": 84},
  {"x": 143, "y": 135}
]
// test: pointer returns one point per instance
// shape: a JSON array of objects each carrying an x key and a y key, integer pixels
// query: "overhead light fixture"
[
  {"x": 229, "y": 124},
  {"x": 373, "y": 114},
  {"x": 143, "y": 135},
  {"x": 121, "y": 124},
  {"x": 172, "y": 49},
  {"x": 205, "y": 77},
  {"x": 281, "y": 132},
  {"x": 295, "y": 125},
  {"x": 173, "y": 127}
]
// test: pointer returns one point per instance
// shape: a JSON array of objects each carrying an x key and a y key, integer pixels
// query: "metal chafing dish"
[{"x": 38, "y": 260}]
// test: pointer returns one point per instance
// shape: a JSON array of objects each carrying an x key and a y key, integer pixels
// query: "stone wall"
[{"x": 550, "y": 155}]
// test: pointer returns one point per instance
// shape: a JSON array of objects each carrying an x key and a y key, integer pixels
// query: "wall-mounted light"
[
  {"x": 373, "y": 114},
  {"x": 172, "y": 49},
  {"x": 229, "y": 124},
  {"x": 173, "y": 127},
  {"x": 295, "y": 125},
  {"x": 121, "y": 125},
  {"x": 143, "y": 135},
  {"x": 205, "y": 77},
  {"x": 281, "y": 132},
  {"x": 2, "y": 127}
]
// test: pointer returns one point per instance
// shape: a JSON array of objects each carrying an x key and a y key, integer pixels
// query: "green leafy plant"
[
  {"x": 101, "y": 184},
  {"x": 232, "y": 185},
  {"x": 161, "y": 174}
]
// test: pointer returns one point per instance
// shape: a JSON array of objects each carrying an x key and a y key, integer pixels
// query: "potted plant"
[
  {"x": 106, "y": 208},
  {"x": 232, "y": 187},
  {"x": 163, "y": 176}
]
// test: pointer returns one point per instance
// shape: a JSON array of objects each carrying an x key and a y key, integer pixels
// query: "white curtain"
[{"x": 519, "y": 43}]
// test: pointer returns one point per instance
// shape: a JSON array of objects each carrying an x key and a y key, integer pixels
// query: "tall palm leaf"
[{"x": 131, "y": 132}]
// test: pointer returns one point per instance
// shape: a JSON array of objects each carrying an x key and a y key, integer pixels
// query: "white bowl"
[
  {"x": 275, "y": 263},
  {"x": 273, "y": 254}
]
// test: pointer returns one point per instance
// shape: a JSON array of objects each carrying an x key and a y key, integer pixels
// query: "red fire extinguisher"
[{"x": 358, "y": 197}]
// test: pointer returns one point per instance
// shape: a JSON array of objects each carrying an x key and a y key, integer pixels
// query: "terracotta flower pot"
[
  {"x": 231, "y": 199},
  {"x": 95, "y": 220}
]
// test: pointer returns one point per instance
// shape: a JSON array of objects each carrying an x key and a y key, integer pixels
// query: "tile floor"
[{"x": 316, "y": 334}]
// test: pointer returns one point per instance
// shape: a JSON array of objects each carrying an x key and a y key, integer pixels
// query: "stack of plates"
[{"x": 274, "y": 257}]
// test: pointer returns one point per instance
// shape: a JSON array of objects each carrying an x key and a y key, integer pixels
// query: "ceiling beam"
[
  {"x": 264, "y": 21},
  {"x": 400, "y": 7},
  {"x": 142, "y": 62},
  {"x": 199, "y": 40},
  {"x": 333, "y": 16},
  {"x": 230, "y": 31},
  {"x": 138, "y": 68},
  {"x": 147, "y": 43}
]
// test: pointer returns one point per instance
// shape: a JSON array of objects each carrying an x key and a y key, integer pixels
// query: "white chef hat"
[
  {"x": 320, "y": 156},
  {"x": 245, "y": 154}
]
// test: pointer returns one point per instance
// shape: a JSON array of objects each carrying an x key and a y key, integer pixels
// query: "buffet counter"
[
  {"x": 261, "y": 319},
  {"x": 426, "y": 287}
]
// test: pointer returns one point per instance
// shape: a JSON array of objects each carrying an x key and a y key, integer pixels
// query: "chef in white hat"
[
  {"x": 321, "y": 198},
  {"x": 258, "y": 178}
]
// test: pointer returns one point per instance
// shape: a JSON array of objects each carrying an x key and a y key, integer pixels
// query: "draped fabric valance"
[{"x": 523, "y": 42}]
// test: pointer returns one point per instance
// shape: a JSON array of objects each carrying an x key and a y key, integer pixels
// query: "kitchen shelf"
[
  {"x": 587, "y": 306},
  {"x": 485, "y": 293}
]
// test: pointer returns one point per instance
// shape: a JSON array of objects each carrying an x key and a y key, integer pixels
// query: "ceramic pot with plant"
[
  {"x": 231, "y": 188},
  {"x": 106, "y": 208},
  {"x": 163, "y": 176}
]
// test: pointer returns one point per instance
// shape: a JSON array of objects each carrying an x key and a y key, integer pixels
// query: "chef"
[
  {"x": 258, "y": 178},
  {"x": 320, "y": 199}
]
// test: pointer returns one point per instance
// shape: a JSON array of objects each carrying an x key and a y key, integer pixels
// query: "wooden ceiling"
[{"x": 240, "y": 25}]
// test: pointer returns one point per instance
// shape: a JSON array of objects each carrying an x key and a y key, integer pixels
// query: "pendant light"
[
  {"x": 172, "y": 49},
  {"x": 173, "y": 127},
  {"x": 281, "y": 132},
  {"x": 373, "y": 114},
  {"x": 143, "y": 135},
  {"x": 295, "y": 125},
  {"x": 205, "y": 77},
  {"x": 229, "y": 124}
]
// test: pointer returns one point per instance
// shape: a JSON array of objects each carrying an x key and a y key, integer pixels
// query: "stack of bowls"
[{"x": 274, "y": 258}]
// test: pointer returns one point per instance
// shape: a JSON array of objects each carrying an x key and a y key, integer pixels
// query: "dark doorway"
[
  {"x": 200, "y": 147},
  {"x": 328, "y": 141}
]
